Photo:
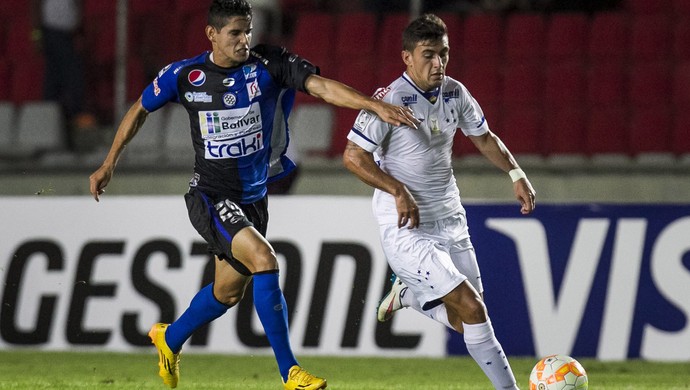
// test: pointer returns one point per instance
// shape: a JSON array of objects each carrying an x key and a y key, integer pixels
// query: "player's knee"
[{"x": 265, "y": 260}]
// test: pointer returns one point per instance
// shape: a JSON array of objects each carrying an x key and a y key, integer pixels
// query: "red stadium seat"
[
  {"x": 680, "y": 137},
  {"x": 523, "y": 85},
  {"x": 482, "y": 38},
  {"x": 99, "y": 9},
  {"x": 564, "y": 131},
  {"x": 681, "y": 39},
  {"x": 646, "y": 7},
  {"x": 358, "y": 75},
  {"x": 566, "y": 37},
  {"x": 608, "y": 37},
  {"x": 185, "y": 6},
  {"x": 681, "y": 86},
  {"x": 606, "y": 84},
  {"x": 607, "y": 130},
  {"x": 650, "y": 130},
  {"x": 389, "y": 65},
  {"x": 27, "y": 79},
  {"x": 313, "y": 39},
  {"x": 19, "y": 42},
  {"x": 355, "y": 37},
  {"x": 681, "y": 7},
  {"x": 484, "y": 81},
  {"x": 650, "y": 38},
  {"x": 565, "y": 84},
  {"x": 196, "y": 41},
  {"x": 524, "y": 37},
  {"x": 650, "y": 84},
  {"x": 5, "y": 80},
  {"x": 522, "y": 130}
]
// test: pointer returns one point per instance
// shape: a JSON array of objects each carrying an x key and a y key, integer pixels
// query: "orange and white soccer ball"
[{"x": 558, "y": 372}]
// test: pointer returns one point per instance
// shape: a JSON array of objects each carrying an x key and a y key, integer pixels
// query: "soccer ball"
[{"x": 558, "y": 372}]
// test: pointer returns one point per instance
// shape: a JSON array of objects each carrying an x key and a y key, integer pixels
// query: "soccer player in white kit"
[{"x": 416, "y": 201}]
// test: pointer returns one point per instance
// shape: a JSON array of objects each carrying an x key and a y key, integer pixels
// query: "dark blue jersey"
[{"x": 238, "y": 117}]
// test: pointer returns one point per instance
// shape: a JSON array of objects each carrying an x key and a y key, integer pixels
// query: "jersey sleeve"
[
  {"x": 287, "y": 69},
  {"x": 163, "y": 89},
  {"x": 471, "y": 119},
  {"x": 369, "y": 130}
]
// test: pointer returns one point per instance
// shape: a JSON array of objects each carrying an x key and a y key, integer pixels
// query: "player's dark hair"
[
  {"x": 426, "y": 28},
  {"x": 221, "y": 10}
]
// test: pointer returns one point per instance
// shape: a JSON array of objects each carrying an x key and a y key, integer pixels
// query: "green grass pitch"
[{"x": 25, "y": 369}]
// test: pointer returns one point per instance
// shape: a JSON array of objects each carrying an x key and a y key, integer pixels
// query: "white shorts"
[{"x": 433, "y": 259}]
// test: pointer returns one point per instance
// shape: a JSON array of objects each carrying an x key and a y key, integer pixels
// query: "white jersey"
[{"x": 421, "y": 159}]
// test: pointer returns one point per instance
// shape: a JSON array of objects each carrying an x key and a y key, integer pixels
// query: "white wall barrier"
[{"x": 608, "y": 281}]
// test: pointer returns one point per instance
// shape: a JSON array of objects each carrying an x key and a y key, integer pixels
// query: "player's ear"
[
  {"x": 211, "y": 33},
  {"x": 406, "y": 57}
]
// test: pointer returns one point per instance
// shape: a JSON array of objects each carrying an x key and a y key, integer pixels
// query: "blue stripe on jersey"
[
  {"x": 359, "y": 133},
  {"x": 214, "y": 215},
  {"x": 482, "y": 122}
]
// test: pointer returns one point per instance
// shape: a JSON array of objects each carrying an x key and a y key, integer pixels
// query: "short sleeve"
[
  {"x": 287, "y": 69},
  {"x": 471, "y": 119},
  {"x": 163, "y": 89}
]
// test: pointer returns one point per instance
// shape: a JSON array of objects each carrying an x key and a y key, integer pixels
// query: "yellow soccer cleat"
[
  {"x": 300, "y": 379},
  {"x": 168, "y": 362}
]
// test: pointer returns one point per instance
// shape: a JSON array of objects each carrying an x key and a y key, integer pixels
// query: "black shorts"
[{"x": 218, "y": 220}]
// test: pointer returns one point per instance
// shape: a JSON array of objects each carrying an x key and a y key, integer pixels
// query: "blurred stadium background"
[{"x": 592, "y": 96}]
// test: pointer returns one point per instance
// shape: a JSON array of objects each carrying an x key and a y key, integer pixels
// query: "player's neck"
[{"x": 222, "y": 61}]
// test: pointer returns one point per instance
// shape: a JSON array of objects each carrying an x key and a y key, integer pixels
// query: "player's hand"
[
  {"x": 408, "y": 212},
  {"x": 99, "y": 180},
  {"x": 396, "y": 115},
  {"x": 524, "y": 192}
]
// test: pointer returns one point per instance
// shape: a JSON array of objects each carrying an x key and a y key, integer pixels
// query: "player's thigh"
[
  {"x": 421, "y": 262},
  {"x": 465, "y": 259},
  {"x": 253, "y": 250}
]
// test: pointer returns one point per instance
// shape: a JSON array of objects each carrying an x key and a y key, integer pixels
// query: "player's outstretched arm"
[
  {"x": 130, "y": 125},
  {"x": 339, "y": 94},
  {"x": 362, "y": 164},
  {"x": 495, "y": 150}
]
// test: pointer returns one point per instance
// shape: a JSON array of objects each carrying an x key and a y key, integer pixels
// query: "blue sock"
[
  {"x": 272, "y": 310},
  {"x": 203, "y": 309}
]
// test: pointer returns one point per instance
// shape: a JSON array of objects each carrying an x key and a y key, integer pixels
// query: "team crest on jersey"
[
  {"x": 228, "y": 82},
  {"x": 253, "y": 89},
  {"x": 197, "y": 77},
  {"x": 380, "y": 93},
  {"x": 249, "y": 71},
  {"x": 229, "y": 100}
]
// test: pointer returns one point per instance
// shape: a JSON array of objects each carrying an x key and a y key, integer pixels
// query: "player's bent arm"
[
  {"x": 362, "y": 164},
  {"x": 128, "y": 128},
  {"x": 339, "y": 94},
  {"x": 495, "y": 151}
]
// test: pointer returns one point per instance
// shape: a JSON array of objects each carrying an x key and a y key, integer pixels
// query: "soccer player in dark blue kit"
[{"x": 238, "y": 100}]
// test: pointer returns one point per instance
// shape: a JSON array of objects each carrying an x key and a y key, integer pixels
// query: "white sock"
[{"x": 487, "y": 352}]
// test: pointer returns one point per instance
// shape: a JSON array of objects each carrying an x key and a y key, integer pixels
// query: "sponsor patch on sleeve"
[{"x": 363, "y": 120}]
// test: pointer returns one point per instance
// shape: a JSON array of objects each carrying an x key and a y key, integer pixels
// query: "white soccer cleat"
[{"x": 392, "y": 302}]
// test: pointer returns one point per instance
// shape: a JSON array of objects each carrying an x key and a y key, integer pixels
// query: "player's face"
[
  {"x": 231, "y": 43},
  {"x": 426, "y": 64}
]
